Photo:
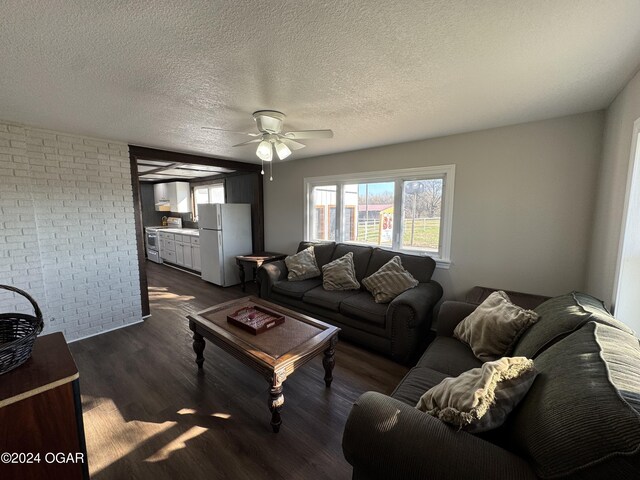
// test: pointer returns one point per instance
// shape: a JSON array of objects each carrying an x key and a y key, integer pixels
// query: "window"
[
  {"x": 207, "y": 194},
  {"x": 404, "y": 210},
  {"x": 323, "y": 217}
]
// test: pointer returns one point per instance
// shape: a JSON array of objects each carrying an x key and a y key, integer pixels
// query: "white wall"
[
  {"x": 524, "y": 197},
  {"x": 67, "y": 233},
  {"x": 613, "y": 174}
]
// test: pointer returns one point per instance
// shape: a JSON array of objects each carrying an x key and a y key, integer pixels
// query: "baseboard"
[
  {"x": 185, "y": 270},
  {"x": 107, "y": 331}
]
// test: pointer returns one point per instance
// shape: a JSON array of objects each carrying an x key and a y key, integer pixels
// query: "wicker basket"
[{"x": 18, "y": 331}]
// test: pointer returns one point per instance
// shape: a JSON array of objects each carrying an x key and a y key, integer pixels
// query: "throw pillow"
[
  {"x": 389, "y": 281},
  {"x": 340, "y": 274},
  {"x": 493, "y": 328},
  {"x": 480, "y": 399},
  {"x": 302, "y": 265}
]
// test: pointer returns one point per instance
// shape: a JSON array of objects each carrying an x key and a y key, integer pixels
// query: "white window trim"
[{"x": 449, "y": 171}]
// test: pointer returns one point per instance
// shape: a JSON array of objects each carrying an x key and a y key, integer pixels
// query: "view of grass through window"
[
  {"x": 422, "y": 205},
  {"x": 401, "y": 210},
  {"x": 368, "y": 213}
]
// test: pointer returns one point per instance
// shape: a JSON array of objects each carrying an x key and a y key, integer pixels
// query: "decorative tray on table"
[{"x": 255, "y": 319}]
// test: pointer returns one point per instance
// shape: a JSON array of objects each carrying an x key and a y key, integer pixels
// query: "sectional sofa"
[
  {"x": 579, "y": 420},
  {"x": 396, "y": 329}
]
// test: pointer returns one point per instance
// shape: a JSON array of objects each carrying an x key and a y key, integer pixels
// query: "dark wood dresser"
[{"x": 41, "y": 416}]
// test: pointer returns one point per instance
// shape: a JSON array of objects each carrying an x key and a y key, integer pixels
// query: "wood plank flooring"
[{"x": 149, "y": 415}]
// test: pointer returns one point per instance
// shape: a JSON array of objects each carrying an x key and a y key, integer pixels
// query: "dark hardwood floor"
[{"x": 149, "y": 415}]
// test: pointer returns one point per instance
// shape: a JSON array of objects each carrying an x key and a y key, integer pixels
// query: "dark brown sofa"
[
  {"x": 396, "y": 329},
  {"x": 580, "y": 420}
]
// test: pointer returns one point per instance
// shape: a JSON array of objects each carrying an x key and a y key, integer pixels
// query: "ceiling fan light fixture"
[
  {"x": 264, "y": 151},
  {"x": 282, "y": 150}
]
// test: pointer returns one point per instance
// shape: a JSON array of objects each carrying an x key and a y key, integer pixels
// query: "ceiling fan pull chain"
[
  {"x": 262, "y": 164},
  {"x": 271, "y": 171}
]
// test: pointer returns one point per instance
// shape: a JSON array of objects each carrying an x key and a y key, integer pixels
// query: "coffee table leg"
[
  {"x": 329, "y": 360},
  {"x": 276, "y": 401},
  {"x": 198, "y": 347}
]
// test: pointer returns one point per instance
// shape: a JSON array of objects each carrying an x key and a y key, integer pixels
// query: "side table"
[
  {"x": 41, "y": 416},
  {"x": 254, "y": 260}
]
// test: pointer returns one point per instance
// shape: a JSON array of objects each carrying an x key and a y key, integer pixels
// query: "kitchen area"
[{"x": 199, "y": 217}]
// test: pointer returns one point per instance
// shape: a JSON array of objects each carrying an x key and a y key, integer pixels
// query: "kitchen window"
[
  {"x": 406, "y": 210},
  {"x": 213, "y": 193}
]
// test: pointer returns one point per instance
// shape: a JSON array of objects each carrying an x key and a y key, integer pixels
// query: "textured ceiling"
[{"x": 153, "y": 72}]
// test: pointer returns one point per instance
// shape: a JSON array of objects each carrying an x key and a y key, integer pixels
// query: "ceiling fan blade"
[
  {"x": 303, "y": 134},
  {"x": 231, "y": 131},
  {"x": 255, "y": 140},
  {"x": 293, "y": 145}
]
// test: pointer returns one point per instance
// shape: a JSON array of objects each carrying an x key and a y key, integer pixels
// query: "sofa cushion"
[
  {"x": 449, "y": 356},
  {"x": 302, "y": 265},
  {"x": 296, "y": 289},
  {"x": 389, "y": 281},
  {"x": 584, "y": 407},
  {"x": 494, "y": 327},
  {"x": 329, "y": 299},
  {"x": 480, "y": 399},
  {"x": 363, "y": 306},
  {"x": 559, "y": 317},
  {"x": 340, "y": 274},
  {"x": 361, "y": 256},
  {"x": 420, "y": 266},
  {"x": 322, "y": 250},
  {"x": 417, "y": 381}
]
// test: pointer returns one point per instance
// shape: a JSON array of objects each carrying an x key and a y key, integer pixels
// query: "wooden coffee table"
[{"x": 276, "y": 353}]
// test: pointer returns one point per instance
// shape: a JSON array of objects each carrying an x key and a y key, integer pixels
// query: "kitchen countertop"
[{"x": 194, "y": 232}]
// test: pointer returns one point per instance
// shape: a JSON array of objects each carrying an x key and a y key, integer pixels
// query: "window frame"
[{"x": 446, "y": 172}]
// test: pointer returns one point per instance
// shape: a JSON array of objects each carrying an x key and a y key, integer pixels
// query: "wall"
[
  {"x": 524, "y": 197},
  {"x": 245, "y": 188},
  {"x": 616, "y": 152},
  {"x": 67, "y": 233}
]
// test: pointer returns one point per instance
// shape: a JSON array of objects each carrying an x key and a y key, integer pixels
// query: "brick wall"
[{"x": 67, "y": 233}]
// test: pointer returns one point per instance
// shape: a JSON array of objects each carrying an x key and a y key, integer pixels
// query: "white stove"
[{"x": 153, "y": 242}]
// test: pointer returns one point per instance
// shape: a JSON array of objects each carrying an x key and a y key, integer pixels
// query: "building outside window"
[{"x": 404, "y": 210}]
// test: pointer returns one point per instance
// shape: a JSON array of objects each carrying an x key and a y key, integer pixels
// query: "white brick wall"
[{"x": 67, "y": 233}]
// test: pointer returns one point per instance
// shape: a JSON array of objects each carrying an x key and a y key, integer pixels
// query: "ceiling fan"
[{"x": 271, "y": 136}]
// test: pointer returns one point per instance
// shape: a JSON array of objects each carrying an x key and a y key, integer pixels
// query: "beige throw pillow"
[
  {"x": 494, "y": 327},
  {"x": 480, "y": 399},
  {"x": 389, "y": 281},
  {"x": 340, "y": 274},
  {"x": 302, "y": 265}
]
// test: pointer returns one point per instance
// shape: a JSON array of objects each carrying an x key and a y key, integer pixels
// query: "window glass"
[
  {"x": 367, "y": 213},
  {"x": 323, "y": 213},
  {"x": 422, "y": 205},
  {"x": 407, "y": 210},
  {"x": 208, "y": 194}
]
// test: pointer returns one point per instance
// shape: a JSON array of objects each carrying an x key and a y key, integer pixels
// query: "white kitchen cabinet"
[
  {"x": 188, "y": 256},
  {"x": 167, "y": 246},
  {"x": 172, "y": 197},
  {"x": 170, "y": 257},
  {"x": 161, "y": 196},
  {"x": 180, "y": 253},
  {"x": 195, "y": 257}
]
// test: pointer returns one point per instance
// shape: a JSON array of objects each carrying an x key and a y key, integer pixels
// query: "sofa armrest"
[
  {"x": 388, "y": 439},
  {"x": 417, "y": 303},
  {"x": 450, "y": 315},
  {"x": 268, "y": 274},
  {"x": 409, "y": 317}
]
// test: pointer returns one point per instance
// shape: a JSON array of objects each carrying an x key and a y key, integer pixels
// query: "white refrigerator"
[{"x": 225, "y": 232}]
